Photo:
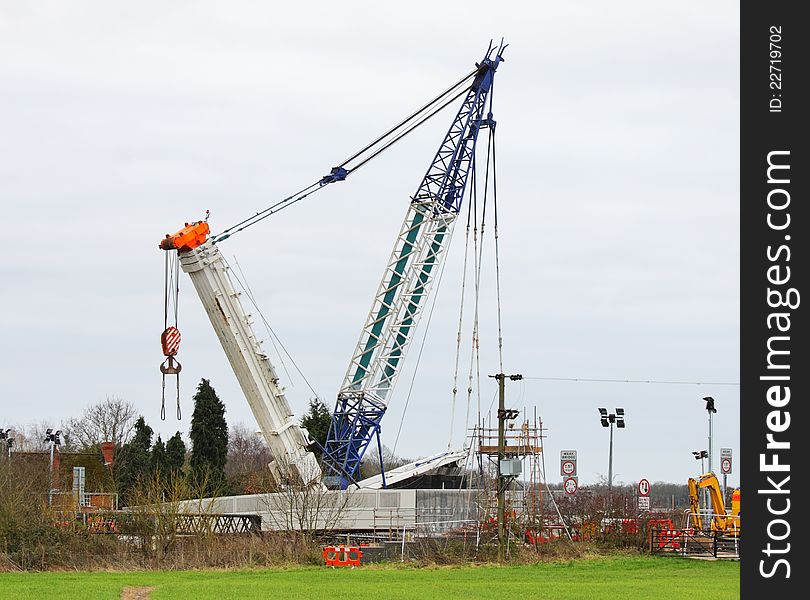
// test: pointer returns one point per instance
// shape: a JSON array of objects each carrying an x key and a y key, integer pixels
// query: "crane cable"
[
  {"x": 409, "y": 118},
  {"x": 170, "y": 338},
  {"x": 272, "y": 334},
  {"x": 342, "y": 170},
  {"x": 459, "y": 331},
  {"x": 497, "y": 251}
]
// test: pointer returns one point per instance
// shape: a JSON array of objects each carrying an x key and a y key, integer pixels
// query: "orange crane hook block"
[{"x": 188, "y": 238}]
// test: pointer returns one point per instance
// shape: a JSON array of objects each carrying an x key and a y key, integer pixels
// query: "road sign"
[
  {"x": 643, "y": 488},
  {"x": 570, "y": 485},
  {"x": 644, "y": 503},
  {"x": 568, "y": 463},
  {"x": 725, "y": 461}
]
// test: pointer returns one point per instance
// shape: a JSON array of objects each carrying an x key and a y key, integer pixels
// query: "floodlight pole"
[
  {"x": 711, "y": 410},
  {"x": 610, "y": 470},
  {"x": 710, "y": 441},
  {"x": 50, "y": 476}
]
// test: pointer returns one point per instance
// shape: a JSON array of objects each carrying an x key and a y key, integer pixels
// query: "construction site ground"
[{"x": 636, "y": 577}]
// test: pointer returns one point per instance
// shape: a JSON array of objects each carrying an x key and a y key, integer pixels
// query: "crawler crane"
[{"x": 389, "y": 328}]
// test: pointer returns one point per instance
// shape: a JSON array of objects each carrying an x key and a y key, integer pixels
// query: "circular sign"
[
  {"x": 570, "y": 485},
  {"x": 643, "y": 488},
  {"x": 725, "y": 466},
  {"x": 568, "y": 467}
]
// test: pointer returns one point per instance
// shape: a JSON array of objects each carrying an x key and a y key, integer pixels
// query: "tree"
[
  {"x": 175, "y": 453},
  {"x": 248, "y": 459},
  {"x": 111, "y": 420},
  {"x": 209, "y": 438},
  {"x": 133, "y": 462},
  {"x": 317, "y": 421},
  {"x": 157, "y": 459}
]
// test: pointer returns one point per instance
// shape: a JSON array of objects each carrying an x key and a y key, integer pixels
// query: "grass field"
[{"x": 603, "y": 578}]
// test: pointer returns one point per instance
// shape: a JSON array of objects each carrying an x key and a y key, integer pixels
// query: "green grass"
[{"x": 594, "y": 579}]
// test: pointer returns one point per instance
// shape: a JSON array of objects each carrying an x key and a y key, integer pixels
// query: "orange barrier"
[{"x": 341, "y": 556}]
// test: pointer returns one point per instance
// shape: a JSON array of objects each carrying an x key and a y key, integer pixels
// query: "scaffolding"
[{"x": 523, "y": 443}]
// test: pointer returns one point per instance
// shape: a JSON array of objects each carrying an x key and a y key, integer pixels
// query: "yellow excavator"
[{"x": 721, "y": 520}]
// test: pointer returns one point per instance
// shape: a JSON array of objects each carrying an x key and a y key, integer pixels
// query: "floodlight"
[
  {"x": 603, "y": 412},
  {"x": 620, "y": 423},
  {"x": 620, "y": 412}
]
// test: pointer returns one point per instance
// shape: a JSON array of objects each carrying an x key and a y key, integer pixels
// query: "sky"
[{"x": 618, "y": 202}]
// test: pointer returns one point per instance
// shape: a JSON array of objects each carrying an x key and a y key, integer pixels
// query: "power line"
[{"x": 657, "y": 381}]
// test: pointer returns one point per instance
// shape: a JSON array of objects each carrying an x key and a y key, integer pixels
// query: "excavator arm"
[{"x": 721, "y": 521}]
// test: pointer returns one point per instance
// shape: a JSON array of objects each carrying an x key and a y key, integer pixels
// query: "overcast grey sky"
[{"x": 618, "y": 191}]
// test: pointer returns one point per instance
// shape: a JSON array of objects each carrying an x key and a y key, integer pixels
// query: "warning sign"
[
  {"x": 643, "y": 488},
  {"x": 570, "y": 485},
  {"x": 725, "y": 461},
  {"x": 568, "y": 463}
]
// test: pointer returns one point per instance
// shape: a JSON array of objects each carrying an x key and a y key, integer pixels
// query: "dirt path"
[{"x": 136, "y": 593}]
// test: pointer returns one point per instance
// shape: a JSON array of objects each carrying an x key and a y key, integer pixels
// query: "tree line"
[{"x": 218, "y": 461}]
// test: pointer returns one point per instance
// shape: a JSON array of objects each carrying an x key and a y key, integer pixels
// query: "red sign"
[
  {"x": 643, "y": 488},
  {"x": 725, "y": 466},
  {"x": 568, "y": 468},
  {"x": 570, "y": 485}
]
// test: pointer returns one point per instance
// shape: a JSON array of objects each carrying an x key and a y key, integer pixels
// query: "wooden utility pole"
[{"x": 503, "y": 416}]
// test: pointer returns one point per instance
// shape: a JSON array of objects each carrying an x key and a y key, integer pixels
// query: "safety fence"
[{"x": 694, "y": 542}]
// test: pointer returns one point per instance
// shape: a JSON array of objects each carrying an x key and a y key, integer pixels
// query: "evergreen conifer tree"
[
  {"x": 133, "y": 463},
  {"x": 175, "y": 454},
  {"x": 209, "y": 439},
  {"x": 157, "y": 459},
  {"x": 317, "y": 421}
]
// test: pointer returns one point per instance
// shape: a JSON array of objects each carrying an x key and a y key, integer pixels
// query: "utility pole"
[{"x": 503, "y": 416}]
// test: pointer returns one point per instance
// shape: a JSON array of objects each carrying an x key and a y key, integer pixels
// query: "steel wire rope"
[
  {"x": 409, "y": 118},
  {"x": 651, "y": 381},
  {"x": 460, "y": 325},
  {"x": 243, "y": 283},
  {"x": 497, "y": 247},
  {"x": 314, "y": 187},
  {"x": 474, "y": 210},
  {"x": 406, "y": 132},
  {"x": 437, "y": 286},
  {"x": 171, "y": 292},
  {"x": 271, "y": 331}
]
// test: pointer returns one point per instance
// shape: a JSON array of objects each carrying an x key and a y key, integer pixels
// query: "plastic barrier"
[{"x": 342, "y": 556}]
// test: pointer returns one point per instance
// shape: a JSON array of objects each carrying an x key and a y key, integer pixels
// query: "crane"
[
  {"x": 405, "y": 285},
  {"x": 395, "y": 311}
]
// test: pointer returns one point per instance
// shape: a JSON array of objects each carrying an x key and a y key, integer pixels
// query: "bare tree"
[
  {"x": 371, "y": 461},
  {"x": 248, "y": 459},
  {"x": 308, "y": 507},
  {"x": 110, "y": 420},
  {"x": 31, "y": 438}
]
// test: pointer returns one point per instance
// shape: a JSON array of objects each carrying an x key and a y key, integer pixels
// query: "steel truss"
[{"x": 409, "y": 274}]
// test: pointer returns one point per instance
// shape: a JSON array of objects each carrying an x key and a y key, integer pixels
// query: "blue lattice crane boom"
[{"x": 407, "y": 279}]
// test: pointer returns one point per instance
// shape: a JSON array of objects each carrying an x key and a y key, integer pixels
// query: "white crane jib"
[{"x": 288, "y": 442}]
